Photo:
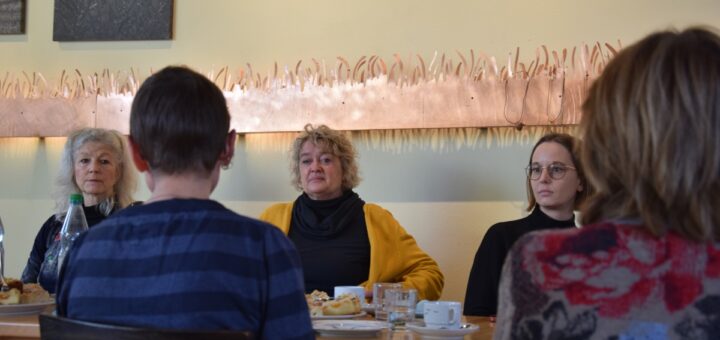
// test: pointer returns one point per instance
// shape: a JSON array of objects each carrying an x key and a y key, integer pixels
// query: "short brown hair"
[
  {"x": 570, "y": 143},
  {"x": 651, "y": 127},
  {"x": 180, "y": 121},
  {"x": 336, "y": 143}
]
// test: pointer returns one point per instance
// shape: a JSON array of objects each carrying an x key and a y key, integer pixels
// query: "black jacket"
[
  {"x": 49, "y": 234},
  {"x": 481, "y": 297}
]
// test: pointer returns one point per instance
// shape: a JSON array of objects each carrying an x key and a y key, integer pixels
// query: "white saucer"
[
  {"x": 349, "y": 328},
  {"x": 445, "y": 334},
  {"x": 336, "y": 317}
]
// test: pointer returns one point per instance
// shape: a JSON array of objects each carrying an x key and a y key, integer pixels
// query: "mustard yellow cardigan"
[{"x": 394, "y": 254}]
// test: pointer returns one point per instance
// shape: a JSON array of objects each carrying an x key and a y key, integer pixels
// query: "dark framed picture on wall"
[
  {"x": 12, "y": 16},
  {"x": 103, "y": 20}
]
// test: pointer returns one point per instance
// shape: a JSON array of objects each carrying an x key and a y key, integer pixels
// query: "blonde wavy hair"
[
  {"x": 651, "y": 130},
  {"x": 66, "y": 184},
  {"x": 334, "y": 142}
]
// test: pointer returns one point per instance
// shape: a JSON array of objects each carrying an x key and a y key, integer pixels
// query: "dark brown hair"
[
  {"x": 651, "y": 127},
  {"x": 180, "y": 121}
]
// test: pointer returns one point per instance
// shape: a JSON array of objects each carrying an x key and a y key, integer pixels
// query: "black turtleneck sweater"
[
  {"x": 49, "y": 234},
  {"x": 481, "y": 297},
  {"x": 332, "y": 240}
]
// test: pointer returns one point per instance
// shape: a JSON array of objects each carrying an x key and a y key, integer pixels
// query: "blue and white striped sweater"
[{"x": 186, "y": 264}]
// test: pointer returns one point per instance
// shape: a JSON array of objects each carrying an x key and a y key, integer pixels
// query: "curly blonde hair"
[
  {"x": 333, "y": 141},
  {"x": 66, "y": 184}
]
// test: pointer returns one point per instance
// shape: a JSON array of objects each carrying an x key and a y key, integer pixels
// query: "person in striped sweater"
[{"x": 181, "y": 260}]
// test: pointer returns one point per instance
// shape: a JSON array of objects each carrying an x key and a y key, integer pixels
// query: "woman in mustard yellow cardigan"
[{"x": 341, "y": 239}]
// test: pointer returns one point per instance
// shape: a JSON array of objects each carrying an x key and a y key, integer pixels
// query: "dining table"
[
  {"x": 27, "y": 327},
  {"x": 484, "y": 331},
  {"x": 20, "y": 327}
]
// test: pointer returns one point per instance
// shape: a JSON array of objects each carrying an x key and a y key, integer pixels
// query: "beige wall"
[
  {"x": 447, "y": 196},
  {"x": 217, "y": 33}
]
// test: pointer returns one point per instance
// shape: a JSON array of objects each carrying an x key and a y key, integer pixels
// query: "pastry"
[
  {"x": 10, "y": 297},
  {"x": 346, "y": 304},
  {"x": 20, "y": 293},
  {"x": 33, "y": 293},
  {"x": 14, "y": 283}
]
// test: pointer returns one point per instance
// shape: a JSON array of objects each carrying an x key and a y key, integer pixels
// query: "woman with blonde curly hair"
[
  {"x": 95, "y": 163},
  {"x": 646, "y": 263},
  {"x": 341, "y": 239}
]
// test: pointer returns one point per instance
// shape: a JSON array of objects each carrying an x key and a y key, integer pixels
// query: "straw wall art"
[
  {"x": 12, "y": 16},
  {"x": 443, "y": 91},
  {"x": 96, "y": 20}
]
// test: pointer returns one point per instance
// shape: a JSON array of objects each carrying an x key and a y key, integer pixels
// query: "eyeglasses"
[{"x": 556, "y": 171}]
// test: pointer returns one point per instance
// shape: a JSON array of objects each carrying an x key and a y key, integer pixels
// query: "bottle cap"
[{"x": 76, "y": 198}]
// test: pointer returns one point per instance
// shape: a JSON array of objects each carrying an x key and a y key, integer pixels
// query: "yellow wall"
[
  {"x": 217, "y": 33},
  {"x": 447, "y": 197}
]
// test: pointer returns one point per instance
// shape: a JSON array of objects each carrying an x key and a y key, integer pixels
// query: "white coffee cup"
[
  {"x": 442, "y": 314},
  {"x": 357, "y": 290}
]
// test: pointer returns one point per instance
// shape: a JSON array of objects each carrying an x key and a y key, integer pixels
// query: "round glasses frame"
[{"x": 555, "y": 171}]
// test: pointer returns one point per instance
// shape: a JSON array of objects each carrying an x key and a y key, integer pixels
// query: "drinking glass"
[
  {"x": 3, "y": 285},
  {"x": 378, "y": 294},
  {"x": 400, "y": 306}
]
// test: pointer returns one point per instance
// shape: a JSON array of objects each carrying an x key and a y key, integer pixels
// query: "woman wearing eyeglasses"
[
  {"x": 646, "y": 262},
  {"x": 555, "y": 187}
]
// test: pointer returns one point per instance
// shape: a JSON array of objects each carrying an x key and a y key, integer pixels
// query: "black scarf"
[{"x": 325, "y": 219}]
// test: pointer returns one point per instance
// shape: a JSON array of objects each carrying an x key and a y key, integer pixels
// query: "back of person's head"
[
  {"x": 179, "y": 121},
  {"x": 651, "y": 128},
  {"x": 570, "y": 144},
  {"x": 336, "y": 143},
  {"x": 125, "y": 185}
]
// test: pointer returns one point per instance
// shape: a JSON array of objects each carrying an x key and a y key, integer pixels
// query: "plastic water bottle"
[{"x": 74, "y": 225}]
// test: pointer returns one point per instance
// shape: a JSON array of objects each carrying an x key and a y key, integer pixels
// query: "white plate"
[
  {"x": 336, "y": 317},
  {"x": 349, "y": 328},
  {"x": 26, "y": 309},
  {"x": 434, "y": 333}
]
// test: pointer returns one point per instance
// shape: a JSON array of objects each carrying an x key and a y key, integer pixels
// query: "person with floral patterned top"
[{"x": 646, "y": 263}]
